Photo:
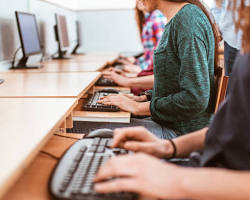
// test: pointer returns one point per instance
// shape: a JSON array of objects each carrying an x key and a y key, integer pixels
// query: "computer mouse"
[
  {"x": 110, "y": 90},
  {"x": 102, "y": 133}
]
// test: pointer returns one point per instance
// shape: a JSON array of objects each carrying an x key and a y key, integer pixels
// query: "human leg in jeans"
[{"x": 148, "y": 123}]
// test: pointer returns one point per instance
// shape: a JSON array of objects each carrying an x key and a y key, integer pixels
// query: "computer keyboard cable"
[{"x": 50, "y": 155}]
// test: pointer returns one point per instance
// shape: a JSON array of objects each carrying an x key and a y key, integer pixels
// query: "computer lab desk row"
[
  {"x": 59, "y": 85},
  {"x": 35, "y": 106},
  {"x": 27, "y": 124},
  {"x": 79, "y": 63}
]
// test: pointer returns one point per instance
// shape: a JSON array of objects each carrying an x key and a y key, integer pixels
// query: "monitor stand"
[
  {"x": 23, "y": 65},
  {"x": 1, "y": 81},
  {"x": 62, "y": 55},
  {"x": 74, "y": 52}
]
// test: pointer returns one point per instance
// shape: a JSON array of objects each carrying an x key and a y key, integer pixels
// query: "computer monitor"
[
  {"x": 62, "y": 37},
  {"x": 79, "y": 38},
  {"x": 29, "y": 38}
]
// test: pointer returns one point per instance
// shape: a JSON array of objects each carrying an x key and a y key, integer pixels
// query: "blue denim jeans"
[{"x": 148, "y": 123}]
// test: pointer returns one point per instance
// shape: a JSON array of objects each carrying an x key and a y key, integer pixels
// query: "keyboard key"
[
  {"x": 83, "y": 149},
  {"x": 109, "y": 143},
  {"x": 92, "y": 149},
  {"x": 96, "y": 141},
  {"x": 103, "y": 142},
  {"x": 101, "y": 149}
]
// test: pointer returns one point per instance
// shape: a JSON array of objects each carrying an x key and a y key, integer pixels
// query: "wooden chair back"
[{"x": 221, "y": 82}]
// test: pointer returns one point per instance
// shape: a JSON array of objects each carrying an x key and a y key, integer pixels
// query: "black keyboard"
[
  {"x": 72, "y": 178},
  {"x": 93, "y": 105},
  {"x": 105, "y": 82}
]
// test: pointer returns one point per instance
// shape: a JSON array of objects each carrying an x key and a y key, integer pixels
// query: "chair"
[{"x": 221, "y": 82}]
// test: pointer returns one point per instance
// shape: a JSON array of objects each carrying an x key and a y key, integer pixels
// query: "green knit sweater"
[{"x": 183, "y": 96}]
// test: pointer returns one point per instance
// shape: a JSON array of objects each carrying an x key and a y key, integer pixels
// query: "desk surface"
[
  {"x": 33, "y": 184},
  {"x": 90, "y": 62},
  {"x": 98, "y": 56},
  {"x": 26, "y": 125},
  {"x": 52, "y": 85},
  {"x": 64, "y": 66}
]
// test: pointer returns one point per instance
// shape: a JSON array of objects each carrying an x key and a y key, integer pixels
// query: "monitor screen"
[
  {"x": 29, "y": 35},
  {"x": 62, "y": 31}
]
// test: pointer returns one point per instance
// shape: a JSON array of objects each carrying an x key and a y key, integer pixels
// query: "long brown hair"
[
  {"x": 242, "y": 22},
  {"x": 140, "y": 19},
  {"x": 215, "y": 30}
]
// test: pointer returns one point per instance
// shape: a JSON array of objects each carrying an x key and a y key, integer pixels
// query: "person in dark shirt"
[{"x": 222, "y": 170}]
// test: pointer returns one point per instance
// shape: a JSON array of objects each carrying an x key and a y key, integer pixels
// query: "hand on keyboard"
[
  {"x": 118, "y": 79},
  {"x": 73, "y": 177},
  {"x": 121, "y": 101},
  {"x": 141, "y": 174},
  {"x": 94, "y": 104},
  {"x": 139, "y": 139}
]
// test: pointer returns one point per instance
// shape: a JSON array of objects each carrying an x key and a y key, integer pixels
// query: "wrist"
[
  {"x": 169, "y": 149},
  {"x": 129, "y": 82},
  {"x": 183, "y": 186},
  {"x": 173, "y": 149},
  {"x": 137, "y": 108},
  {"x": 146, "y": 95},
  {"x": 142, "y": 98}
]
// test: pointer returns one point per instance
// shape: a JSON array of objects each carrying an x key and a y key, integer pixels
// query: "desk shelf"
[{"x": 116, "y": 117}]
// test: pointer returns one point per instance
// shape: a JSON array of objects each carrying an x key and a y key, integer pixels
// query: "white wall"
[
  {"x": 8, "y": 31},
  {"x": 109, "y": 30},
  {"x": 9, "y": 39},
  {"x": 45, "y": 14},
  {"x": 103, "y": 30}
]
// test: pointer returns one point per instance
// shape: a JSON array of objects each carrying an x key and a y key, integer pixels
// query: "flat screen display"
[
  {"x": 62, "y": 31},
  {"x": 28, "y": 32}
]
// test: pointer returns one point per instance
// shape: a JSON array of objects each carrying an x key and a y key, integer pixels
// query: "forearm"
[
  {"x": 189, "y": 143},
  {"x": 142, "y": 82},
  {"x": 142, "y": 109},
  {"x": 216, "y": 184}
]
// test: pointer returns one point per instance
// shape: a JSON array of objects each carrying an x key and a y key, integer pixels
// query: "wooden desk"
[
  {"x": 33, "y": 184},
  {"x": 57, "y": 85},
  {"x": 49, "y": 85},
  {"x": 79, "y": 63},
  {"x": 92, "y": 57},
  {"x": 65, "y": 66},
  {"x": 26, "y": 125}
]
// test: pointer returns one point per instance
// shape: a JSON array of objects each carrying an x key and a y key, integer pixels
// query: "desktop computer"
[
  {"x": 79, "y": 39},
  {"x": 29, "y": 38},
  {"x": 62, "y": 37}
]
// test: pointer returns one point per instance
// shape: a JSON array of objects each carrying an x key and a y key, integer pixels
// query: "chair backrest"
[{"x": 221, "y": 82}]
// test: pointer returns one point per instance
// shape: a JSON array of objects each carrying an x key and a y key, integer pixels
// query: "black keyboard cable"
[
  {"x": 50, "y": 155},
  {"x": 67, "y": 137}
]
